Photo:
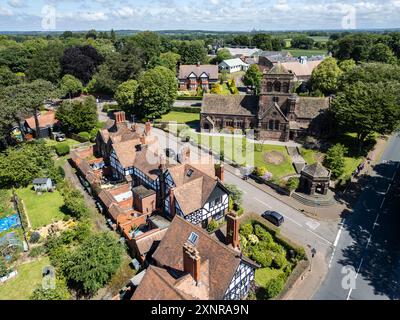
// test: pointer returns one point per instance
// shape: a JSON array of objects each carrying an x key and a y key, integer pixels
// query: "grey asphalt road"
[
  {"x": 187, "y": 103},
  {"x": 297, "y": 226},
  {"x": 365, "y": 264}
]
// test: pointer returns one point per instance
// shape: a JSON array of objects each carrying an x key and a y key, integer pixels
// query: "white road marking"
[
  {"x": 338, "y": 234},
  {"x": 383, "y": 201},
  {"x": 262, "y": 202},
  {"x": 318, "y": 236},
  {"x": 313, "y": 225}
]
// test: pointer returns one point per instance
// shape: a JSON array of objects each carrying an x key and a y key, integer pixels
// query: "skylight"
[
  {"x": 193, "y": 238},
  {"x": 189, "y": 173}
]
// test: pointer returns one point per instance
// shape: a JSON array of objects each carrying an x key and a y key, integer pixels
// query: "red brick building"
[{"x": 193, "y": 76}]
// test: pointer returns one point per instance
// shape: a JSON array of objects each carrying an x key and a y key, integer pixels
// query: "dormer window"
[{"x": 193, "y": 238}]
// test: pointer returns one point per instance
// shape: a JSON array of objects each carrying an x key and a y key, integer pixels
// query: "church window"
[
  {"x": 269, "y": 87},
  {"x": 277, "y": 124},
  {"x": 278, "y": 86},
  {"x": 271, "y": 125}
]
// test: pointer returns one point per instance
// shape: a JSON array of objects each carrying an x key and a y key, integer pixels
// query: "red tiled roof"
[
  {"x": 186, "y": 69},
  {"x": 45, "y": 120}
]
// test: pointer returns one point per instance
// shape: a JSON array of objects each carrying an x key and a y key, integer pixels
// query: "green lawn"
[
  {"x": 310, "y": 156},
  {"x": 70, "y": 142},
  {"x": 28, "y": 278},
  {"x": 309, "y": 53},
  {"x": 42, "y": 209},
  {"x": 180, "y": 117},
  {"x": 263, "y": 275}
]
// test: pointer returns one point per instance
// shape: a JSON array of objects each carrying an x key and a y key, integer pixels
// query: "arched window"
[
  {"x": 271, "y": 125},
  {"x": 277, "y": 86},
  {"x": 269, "y": 86},
  {"x": 285, "y": 87},
  {"x": 277, "y": 123}
]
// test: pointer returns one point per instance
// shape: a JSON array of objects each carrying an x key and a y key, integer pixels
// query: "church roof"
[
  {"x": 316, "y": 170},
  {"x": 279, "y": 68},
  {"x": 311, "y": 107},
  {"x": 244, "y": 105}
]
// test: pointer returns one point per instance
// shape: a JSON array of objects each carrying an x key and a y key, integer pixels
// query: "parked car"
[
  {"x": 170, "y": 153},
  {"x": 274, "y": 217}
]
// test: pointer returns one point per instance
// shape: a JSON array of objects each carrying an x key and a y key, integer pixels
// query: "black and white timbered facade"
[{"x": 240, "y": 284}]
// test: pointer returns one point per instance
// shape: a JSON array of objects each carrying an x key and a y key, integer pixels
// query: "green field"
[
  {"x": 28, "y": 278},
  {"x": 308, "y": 53},
  {"x": 264, "y": 275},
  {"x": 70, "y": 142},
  {"x": 180, "y": 117},
  {"x": 42, "y": 209}
]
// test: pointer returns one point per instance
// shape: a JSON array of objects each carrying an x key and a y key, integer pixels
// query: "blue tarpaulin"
[{"x": 9, "y": 222}]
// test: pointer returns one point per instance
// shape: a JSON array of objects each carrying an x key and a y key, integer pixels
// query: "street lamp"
[{"x": 313, "y": 253}]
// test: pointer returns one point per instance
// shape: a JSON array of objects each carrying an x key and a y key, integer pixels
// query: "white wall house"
[{"x": 233, "y": 65}]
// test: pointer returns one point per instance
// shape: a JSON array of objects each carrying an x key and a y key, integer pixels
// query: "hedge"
[
  {"x": 84, "y": 135},
  {"x": 62, "y": 149},
  {"x": 189, "y": 98},
  {"x": 187, "y": 109}
]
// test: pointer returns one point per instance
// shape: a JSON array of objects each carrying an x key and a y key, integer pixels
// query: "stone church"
[{"x": 276, "y": 114}]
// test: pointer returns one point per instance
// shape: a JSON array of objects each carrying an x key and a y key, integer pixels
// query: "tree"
[
  {"x": 380, "y": 52},
  {"x": 347, "y": 65},
  {"x": 262, "y": 41},
  {"x": 222, "y": 55},
  {"x": 168, "y": 60},
  {"x": 81, "y": 62},
  {"x": 334, "y": 160},
  {"x": 90, "y": 266},
  {"x": 325, "y": 77},
  {"x": 235, "y": 193},
  {"x": 253, "y": 78},
  {"x": 71, "y": 86},
  {"x": 149, "y": 43},
  {"x": 77, "y": 116},
  {"x": 274, "y": 287},
  {"x": 302, "y": 42},
  {"x": 192, "y": 52},
  {"x": 366, "y": 108},
  {"x": 157, "y": 90},
  {"x": 125, "y": 95},
  {"x": 45, "y": 64},
  {"x": 7, "y": 77},
  {"x": 60, "y": 292}
]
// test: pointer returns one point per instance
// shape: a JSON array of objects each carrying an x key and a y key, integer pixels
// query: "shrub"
[
  {"x": 243, "y": 241},
  {"x": 334, "y": 160},
  {"x": 62, "y": 149},
  {"x": 263, "y": 234},
  {"x": 35, "y": 237},
  {"x": 260, "y": 171},
  {"x": 274, "y": 287},
  {"x": 246, "y": 230},
  {"x": 85, "y": 136},
  {"x": 279, "y": 261},
  {"x": 3, "y": 267},
  {"x": 93, "y": 134},
  {"x": 262, "y": 258},
  {"x": 292, "y": 183},
  {"x": 37, "y": 251},
  {"x": 212, "y": 226},
  {"x": 253, "y": 239}
]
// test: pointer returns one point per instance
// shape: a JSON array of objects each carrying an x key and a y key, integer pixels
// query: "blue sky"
[{"x": 243, "y": 15}]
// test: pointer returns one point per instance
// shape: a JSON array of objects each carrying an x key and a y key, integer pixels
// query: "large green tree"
[
  {"x": 125, "y": 95},
  {"x": 253, "y": 78},
  {"x": 91, "y": 265},
  {"x": 77, "y": 115},
  {"x": 157, "y": 90},
  {"x": 193, "y": 52},
  {"x": 380, "y": 52},
  {"x": 335, "y": 161},
  {"x": 325, "y": 77},
  {"x": 167, "y": 59},
  {"x": 366, "y": 108},
  {"x": 70, "y": 86},
  {"x": 148, "y": 43},
  {"x": 7, "y": 77}
]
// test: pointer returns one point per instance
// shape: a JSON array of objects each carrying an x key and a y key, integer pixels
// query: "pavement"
[{"x": 365, "y": 263}]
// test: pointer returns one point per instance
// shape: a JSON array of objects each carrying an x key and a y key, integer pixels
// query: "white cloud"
[{"x": 4, "y": 11}]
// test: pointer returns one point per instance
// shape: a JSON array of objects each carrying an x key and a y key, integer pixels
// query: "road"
[
  {"x": 365, "y": 263},
  {"x": 297, "y": 226}
]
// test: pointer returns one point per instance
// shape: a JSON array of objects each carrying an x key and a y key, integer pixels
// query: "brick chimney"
[
  {"x": 219, "y": 171},
  {"x": 191, "y": 261},
  {"x": 119, "y": 117},
  {"x": 232, "y": 230},
  {"x": 147, "y": 128},
  {"x": 185, "y": 154},
  {"x": 143, "y": 139},
  {"x": 172, "y": 202}
]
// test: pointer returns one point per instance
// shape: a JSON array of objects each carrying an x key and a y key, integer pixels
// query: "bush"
[
  {"x": 3, "y": 267},
  {"x": 110, "y": 107},
  {"x": 62, "y": 149},
  {"x": 292, "y": 184},
  {"x": 246, "y": 230},
  {"x": 85, "y": 136},
  {"x": 274, "y": 287},
  {"x": 279, "y": 261},
  {"x": 212, "y": 226},
  {"x": 37, "y": 251},
  {"x": 334, "y": 160},
  {"x": 260, "y": 171},
  {"x": 93, "y": 134},
  {"x": 35, "y": 237},
  {"x": 253, "y": 239},
  {"x": 187, "y": 109},
  {"x": 263, "y": 258},
  {"x": 263, "y": 234}
]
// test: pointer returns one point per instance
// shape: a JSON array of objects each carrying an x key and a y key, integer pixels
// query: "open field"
[
  {"x": 28, "y": 278},
  {"x": 41, "y": 209},
  {"x": 180, "y": 117},
  {"x": 70, "y": 142},
  {"x": 308, "y": 53}
]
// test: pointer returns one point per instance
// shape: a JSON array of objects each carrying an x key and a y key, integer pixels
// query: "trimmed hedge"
[
  {"x": 189, "y": 98},
  {"x": 187, "y": 109},
  {"x": 62, "y": 149},
  {"x": 84, "y": 135}
]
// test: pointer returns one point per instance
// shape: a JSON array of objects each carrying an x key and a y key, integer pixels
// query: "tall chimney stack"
[
  {"x": 119, "y": 117},
  {"x": 191, "y": 261},
  {"x": 232, "y": 230}
]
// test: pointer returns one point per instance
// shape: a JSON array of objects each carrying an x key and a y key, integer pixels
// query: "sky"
[{"x": 219, "y": 15}]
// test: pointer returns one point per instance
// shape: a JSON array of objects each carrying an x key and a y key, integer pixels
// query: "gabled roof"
[
  {"x": 234, "y": 62},
  {"x": 41, "y": 180},
  {"x": 316, "y": 170},
  {"x": 302, "y": 69},
  {"x": 244, "y": 105},
  {"x": 311, "y": 107},
  {"x": 279, "y": 68},
  {"x": 126, "y": 153},
  {"x": 45, "y": 120},
  {"x": 211, "y": 70},
  {"x": 223, "y": 261}
]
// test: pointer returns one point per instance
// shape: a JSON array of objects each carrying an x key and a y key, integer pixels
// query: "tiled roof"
[
  {"x": 45, "y": 120},
  {"x": 302, "y": 69},
  {"x": 223, "y": 261},
  {"x": 211, "y": 70},
  {"x": 146, "y": 243},
  {"x": 245, "y": 105},
  {"x": 311, "y": 107},
  {"x": 126, "y": 153},
  {"x": 316, "y": 170},
  {"x": 279, "y": 68}
]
